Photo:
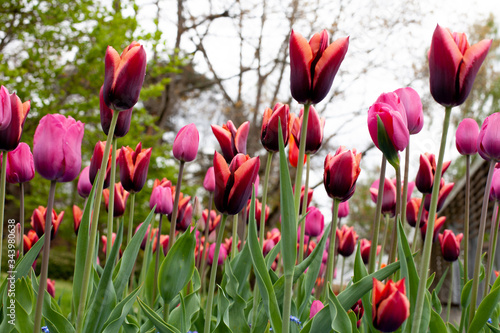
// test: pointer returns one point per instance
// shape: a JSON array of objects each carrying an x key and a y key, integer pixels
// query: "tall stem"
[
  {"x": 386, "y": 233},
  {"x": 175, "y": 210},
  {"x": 450, "y": 294},
  {"x": 264, "y": 199},
  {"x": 331, "y": 250},
  {"x": 342, "y": 274},
  {"x": 157, "y": 260},
  {"x": 300, "y": 161},
  {"x": 426, "y": 254},
  {"x": 405, "y": 185},
  {"x": 45, "y": 259},
  {"x": 131, "y": 217},
  {"x": 111, "y": 203},
  {"x": 21, "y": 219},
  {"x": 93, "y": 229},
  {"x": 205, "y": 244},
  {"x": 234, "y": 245},
  {"x": 304, "y": 209},
  {"x": 3, "y": 176},
  {"x": 466, "y": 222},
  {"x": 287, "y": 303},
  {"x": 394, "y": 237},
  {"x": 213, "y": 273},
  {"x": 378, "y": 213},
  {"x": 492, "y": 246},
  {"x": 417, "y": 224}
]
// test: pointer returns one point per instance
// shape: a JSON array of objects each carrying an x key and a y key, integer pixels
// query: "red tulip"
[
  {"x": 347, "y": 240},
  {"x": 316, "y": 307},
  {"x": 426, "y": 172},
  {"x": 161, "y": 197},
  {"x": 438, "y": 224},
  {"x": 293, "y": 152},
  {"x": 209, "y": 181},
  {"x": 186, "y": 143},
  {"x": 389, "y": 197},
  {"x": 51, "y": 287},
  {"x": 57, "y": 148},
  {"x": 315, "y": 222},
  {"x": 453, "y": 65},
  {"x": 29, "y": 240},
  {"x": 184, "y": 212},
  {"x": 412, "y": 208},
  {"x": 466, "y": 136},
  {"x": 5, "y": 109},
  {"x": 444, "y": 191},
  {"x": 315, "y": 126},
  {"x": 77, "y": 218},
  {"x": 497, "y": 273},
  {"x": 95, "y": 163},
  {"x": 38, "y": 221},
  {"x": 20, "y": 165},
  {"x": 123, "y": 76},
  {"x": 313, "y": 65},
  {"x": 122, "y": 123},
  {"x": 413, "y": 109},
  {"x": 341, "y": 173},
  {"x": 232, "y": 141},
  {"x": 233, "y": 183},
  {"x": 270, "y": 122},
  {"x": 365, "y": 246},
  {"x": 390, "y": 306},
  {"x": 163, "y": 242},
  {"x": 358, "y": 310},
  {"x": 11, "y": 135},
  {"x": 450, "y": 245},
  {"x": 134, "y": 167},
  {"x": 120, "y": 201},
  {"x": 84, "y": 185},
  {"x": 258, "y": 212},
  {"x": 488, "y": 141}
]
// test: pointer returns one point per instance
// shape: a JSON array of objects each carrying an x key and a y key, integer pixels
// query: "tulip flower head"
[
  {"x": 315, "y": 222},
  {"x": 413, "y": 109},
  {"x": 293, "y": 152},
  {"x": 389, "y": 197},
  {"x": 123, "y": 76},
  {"x": 122, "y": 123},
  {"x": 313, "y": 65},
  {"x": 258, "y": 212},
  {"x": 222, "y": 254},
  {"x": 51, "y": 287},
  {"x": 186, "y": 143},
  {"x": 232, "y": 141},
  {"x": 5, "y": 109},
  {"x": 412, "y": 208},
  {"x": 466, "y": 136},
  {"x": 488, "y": 140},
  {"x": 11, "y": 135},
  {"x": 20, "y": 164},
  {"x": 450, "y": 245},
  {"x": 161, "y": 197},
  {"x": 184, "y": 212},
  {"x": 347, "y": 240},
  {"x": 444, "y": 191},
  {"x": 315, "y": 126},
  {"x": 134, "y": 166},
  {"x": 209, "y": 181},
  {"x": 38, "y": 221},
  {"x": 341, "y": 173},
  {"x": 343, "y": 209},
  {"x": 29, "y": 240},
  {"x": 278, "y": 116},
  {"x": 316, "y": 307},
  {"x": 453, "y": 65},
  {"x": 438, "y": 224},
  {"x": 427, "y": 172},
  {"x": 495, "y": 185},
  {"x": 77, "y": 218},
  {"x": 120, "y": 201},
  {"x": 95, "y": 163},
  {"x": 358, "y": 310},
  {"x": 390, "y": 306},
  {"x": 365, "y": 246},
  {"x": 84, "y": 185}
]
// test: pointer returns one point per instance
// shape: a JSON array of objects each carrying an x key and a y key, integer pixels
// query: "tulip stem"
[
  {"x": 3, "y": 177},
  {"x": 270, "y": 155},
  {"x": 378, "y": 213},
  {"x": 157, "y": 260},
  {"x": 405, "y": 185},
  {"x": 234, "y": 243},
  {"x": 417, "y": 224},
  {"x": 21, "y": 220},
  {"x": 342, "y": 275},
  {"x": 300, "y": 160},
  {"x": 331, "y": 250},
  {"x": 466, "y": 222},
  {"x": 394, "y": 237},
  {"x": 450, "y": 294},
  {"x": 205, "y": 243},
  {"x": 111, "y": 202},
  {"x": 304, "y": 210},
  {"x": 213, "y": 273},
  {"x": 386, "y": 233},
  {"x": 93, "y": 228},
  {"x": 287, "y": 303},
  {"x": 45, "y": 258},
  {"x": 145, "y": 263},
  {"x": 492, "y": 246},
  {"x": 175, "y": 210},
  {"x": 131, "y": 217},
  {"x": 427, "y": 248}
]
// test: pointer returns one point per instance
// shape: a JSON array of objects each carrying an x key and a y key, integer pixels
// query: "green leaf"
[
  {"x": 191, "y": 309},
  {"x": 385, "y": 144},
  {"x": 493, "y": 328},
  {"x": 157, "y": 321},
  {"x": 354, "y": 321},
  {"x": 484, "y": 310},
  {"x": 436, "y": 303},
  {"x": 437, "y": 325},
  {"x": 465, "y": 296},
  {"x": 237, "y": 319},
  {"x": 341, "y": 322},
  {"x": 120, "y": 312},
  {"x": 441, "y": 280},
  {"x": 359, "y": 273}
]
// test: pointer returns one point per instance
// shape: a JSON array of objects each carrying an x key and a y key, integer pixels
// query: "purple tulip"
[
  {"x": 57, "y": 147},
  {"x": 488, "y": 141},
  {"x": 20, "y": 165},
  {"x": 122, "y": 123},
  {"x": 186, "y": 143},
  {"x": 466, "y": 137},
  {"x": 413, "y": 109},
  {"x": 161, "y": 197},
  {"x": 222, "y": 254},
  {"x": 10, "y": 136},
  {"x": 341, "y": 173},
  {"x": 5, "y": 109},
  {"x": 84, "y": 185},
  {"x": 315, "y": 222},
  {"x": 209, "y": 181}
]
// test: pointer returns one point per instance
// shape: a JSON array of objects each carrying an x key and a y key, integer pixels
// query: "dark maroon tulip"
[
  {"x": 5, "y": 108},
  {"x": 123, "y": 76},
  {"x": 95, "y": 163},
  {"x": 233, "y": 183},
  {"x": 310, "y": 193},
  {"x": 390, "y": 306},
  {"x": 120, "y": 201},
  {"x": 134, "y": 166},
  {"x": 488, "y": 141},
  {"x": 122, "y": 123},
  {"x": 77, "y": 218},
  {"x": 358, "y": 310},
  {"x": 450, "y": 245},
  {"x": 341, "y": 173},
  {"x": 413, "y": 109},
  {"x": 315, "y": 222},
  {"x": 412, "y": 208},
  {"x": 453, "y": 65},
  {"x": 389, "y": 197},
  {"x": 258, "y": 212},
  {"x": 20, "y": 165},
  {"x": 38, "y": 221},
  {"x": 316, "y": 307},
  {"x": 438, "y": 224},
  {"x": 426, "y": 172},
  {"x": 495, "y": 185},
  {"x": 466, "y": 136},
  {"x": 209, "y": 181},
  {"x": 84, "y": 185},
  {"x": 313, "y": 65},
  {"x": 343, "y": 209},
  {"x": 347, "y": 240},
  {"x": 315, "y": 126},
  {"x": 232, "y": 141},
  {"x": 364, "y": 247},
  {"x": 57, "y": 148},
  {"x": 11, "y": 135},
  {"x": 270, "y": 124},
  {"x": 161, "y": 197},
  {"x": 186, "y": 143},
  {"x": 444, "y": 191}
]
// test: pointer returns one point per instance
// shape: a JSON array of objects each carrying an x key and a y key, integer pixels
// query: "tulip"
[
  {"x": 134, "y": 167},
  {"x": 495, "y": 185},
  {"x": 186, "y": 143},
  {"x": 313, "y": 65},
  {"x": 497, "y": 273},
  {"x": 214, "y": 219},
  {"x": 149, "y": 233},
  {"x": 310, "y": 193},
  {"x": 426, "y": 172},
  {"x": 316, "y": 307},
  {"x": 184, "y": 214},
  {"x": 488, "y": 141},
  {"x": 412, "y": 208},
  {"x": 258, "y": 212},
  {"x": 280, "y": 114},
  {"x": 161, "y": 197},
  {"x": 365, "y": 246},
  {"x": 120, "y": 201},
  {"x": 341, "y": 173},
  {"x": 5, "y": 108},
  {"x": 29, "y": 240},
  {"x": 232, "y": 141},
  {"x": 390, "y": 306},
  {"x": 84, "y": 185},
  {"x": 450, "y": 245},
  {"x": 315, "y": 222},
  {"x": 444, "y": 191},
  {"x": 413, "y": 109},
  {"x": 11, "y": 135},
  {"x": 20, "y": 165},
  {"x": 347, "y": 240},
  {"x": 51, "y": 287},
  {"x": 57, "y": 148},
  {"x": 466, "y": 136},
  {"x": 315, "y": 126},
  {"x": 104, "y": 240},
  {"x": 343, "y": 209},
  {"x": 77, "y": 218},
  {"x": 293, "y": 153},
  {"x": 453, "y": 65},
  {"x": 388, "y": 198},
  {"x": 233, "y": 183},
  {"x": 163, "y": 242},
  {"x": 222, "y": 254},
  {"x": 122, "y": 123},
  {"x": 38, "y": 221},
  {"x": 95, "y": 163},
  {"x": 209, "y": 181},
  {"x": 358, "y": 310},
  {"x": 123, "y": 76},
  {"x": 438, "y": 224}
]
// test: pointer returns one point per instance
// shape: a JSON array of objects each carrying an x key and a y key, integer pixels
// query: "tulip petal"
[
  {"x": 241, "y": 189},
  {"x": 222, "y": 174},
  {"x": 300, "y": 71},
  {"x": 141, "y": 169},
  {"x": 48, "y": 146},
  {"x": 224, "y": 137},
  {"x": 72, "y": 149},
  {"x": 240, "y": 139},
  {"x": 392, "y": 312}
]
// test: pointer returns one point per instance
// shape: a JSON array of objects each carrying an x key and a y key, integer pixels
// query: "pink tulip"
[
  {"x": 315, "y": 126},
  {"x": 11, "y": 135},
  {"x": 343, "y": 209},
  {"x": 316, "y": 307},
  {"x": 413, "y": 109},
  {"x": 364, "y": 247},
  {"x": 222, "y": 254},
  {"x": 122, "y": 123},
  {"x": 186, "y": 143},
  {"x": 495, "y": 185},
  {"x": 5, "y": 109},
  {"x": 488, "y": 140},
  {"x": 278, "y": 116},
  {"x": 84, "y": 185},
  {"x": 315, "y": 222},
  {"x": 388, "y": 198},
  {"x": 51, "y": 287},
  {"x": 341, "y": 173},
  {"x": 466, "y": 136},
  {"x": 453, "y": 65},
  {"x": 161, "y": 197},
  {"x": 444, "y": 191},
  {"x": 20, "y": 165},
  {"x": 347, "y": 240},
  {"x": 209, "y": 181},
  {"x": 450, "y": 245},
  {"x": 231, "y": 140}
]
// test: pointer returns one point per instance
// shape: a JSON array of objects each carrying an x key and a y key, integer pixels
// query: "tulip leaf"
[
  {"x": 119, "y": 313},
  {"x": 493, "y": 328},
  {"x": 354, "y": 321},
  {"x": 341, "y": 323},
  {"x": 237, "y": 305},
  {"x": 485, "y": 309},
  {"x": 157, "y": 321},
  {"x": 261, "y": 272},
  {"x": 385, "y": 145},
  {"x": 437, "y": 325},
  {"x": 177, "y": 267},
  {"x": 191, "y": 308}
]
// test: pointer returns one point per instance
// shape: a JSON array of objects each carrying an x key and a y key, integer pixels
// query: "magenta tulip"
[
  {"x": 134, "y": 166},
  {"x": 20, "y": 165},
  {"x": 364, "y": 247},
  {"x": 413, "y": 109},
  {"x": 231, "y": 140},
  {"x": 161, "y": 197},
  {"x": 315, "y": 126},
  {"x": 11, "y": 135},
  {"x": 313, "y": 65},
  {"x": 343, "y": 209},
  {"x": 209, "y": 181},
  {"x": 186, "y": 143},
  {"x": 84, "y": 185},
  {"x": 315, "y": 222},
  {"x": 488, "y": 140},
  {"x": 51, "y": 288},
  {"x": 316, "y": 307},
  {"x": 222, "y": 254},
  {"x": 57, "y": 148},
  {"x": 444, "y": 191},
  {"x": 450, "y": 245},
  {"x": 390, "y": 306},
  {"x": 5, "y": 109},
  {"x": 466, "y": 136},
  {"x": 389, "y": 197},
  {"x": 122, "y": 123},
  {"x": 495, "y": 185},
  {"x": 347, "y": 240},
  {"x": 453, "y": 65},
  {"x": 341, "y": 173},
  {"x": 95, "y": 163},
  {"x": 279, "y": 115}
]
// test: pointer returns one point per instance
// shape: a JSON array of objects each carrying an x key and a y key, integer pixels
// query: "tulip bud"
[
  {"x": 38, "y": 221},
  {"x": 232, "y": 141},
  {"x": 5, "y": 109},
  {"x": 390, "y": 306},
  {"x": 209, "y": 181},
  {"x": 316, "y": 307},
  {"x": 279, "y": 116},
  {"x": 315, "y": 222},
  {"x": 11, "y": 135},
  {"x": 365, "y": 246},
  {"x": 197, "y": 210},
  {"x": 186, "y": 143},
  {"x": 347, "y": 240},
  {"x": 388, "y": 198},
  {"x": 84, "y": 185},
  {"x": 488, "y": 141},
  {"x": 20, "y": 165},
  {"x": 341, "y": 173},
  {"x": 51, "y": 287},
  {"x": 161, "y": 197},
  {"x": 426, "y": 172},
  {"x": 222, "y": 254},
  {"x": 122, "y": 123},
  {"x": 450, "y": 245},
  {"x": 412, "y": 208},
  {"x": 343, "y": 209},
  {"x": 120, "y": 199},
  {"x": 413, "y": 109},
  {"x": 134, "y": 167},
  {"x": 29, "y": 240},
  {"x": 315, "y": 126},
  {"x": 466, "y": 137},
  {"x": 95, "y": 163},
  {"x": 77, "y": 218}
]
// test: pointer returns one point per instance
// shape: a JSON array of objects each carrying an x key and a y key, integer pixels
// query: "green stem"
[
  {"x": 331, "y": 250},
  {"x": 300, "y": 161},
  {"x": 342, "y": 274},
  {"x": 45, "y": 259},
  {"x": 287, "y": 303},
  {"x": 405, "y": 185},
  {"x": 213, "y": 273},
  {"x": 234, "y": 244},
  {"x": 147, "y": 258},
  {"x": 111, "y": 203},
  {"x": 466, "y": 222},
  {"x": 3, "y": 176},
  {"x": 386, "y": 233},
  {"x": 157, "y": 260},
  {"x": 175, "y": 210},
  {"x": 304, "y": 209},
  {"x": 94, "y": 223},
  {"x": 166, "y": 312},
  {"x": 270, "y": 155},
  {"x": 205, "y": 244},
  {"x": 450, "y": 294},
  {"x": 426, "y": 254},
  {"x": 417, "y": 224},
  {"x": 492, "y": 246},
  {"x": 21, "y": 220},
  {"x": 131, "y": 217},
  {"x": 378, "y": 213},
  {"x": 394, "y": 237}
]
